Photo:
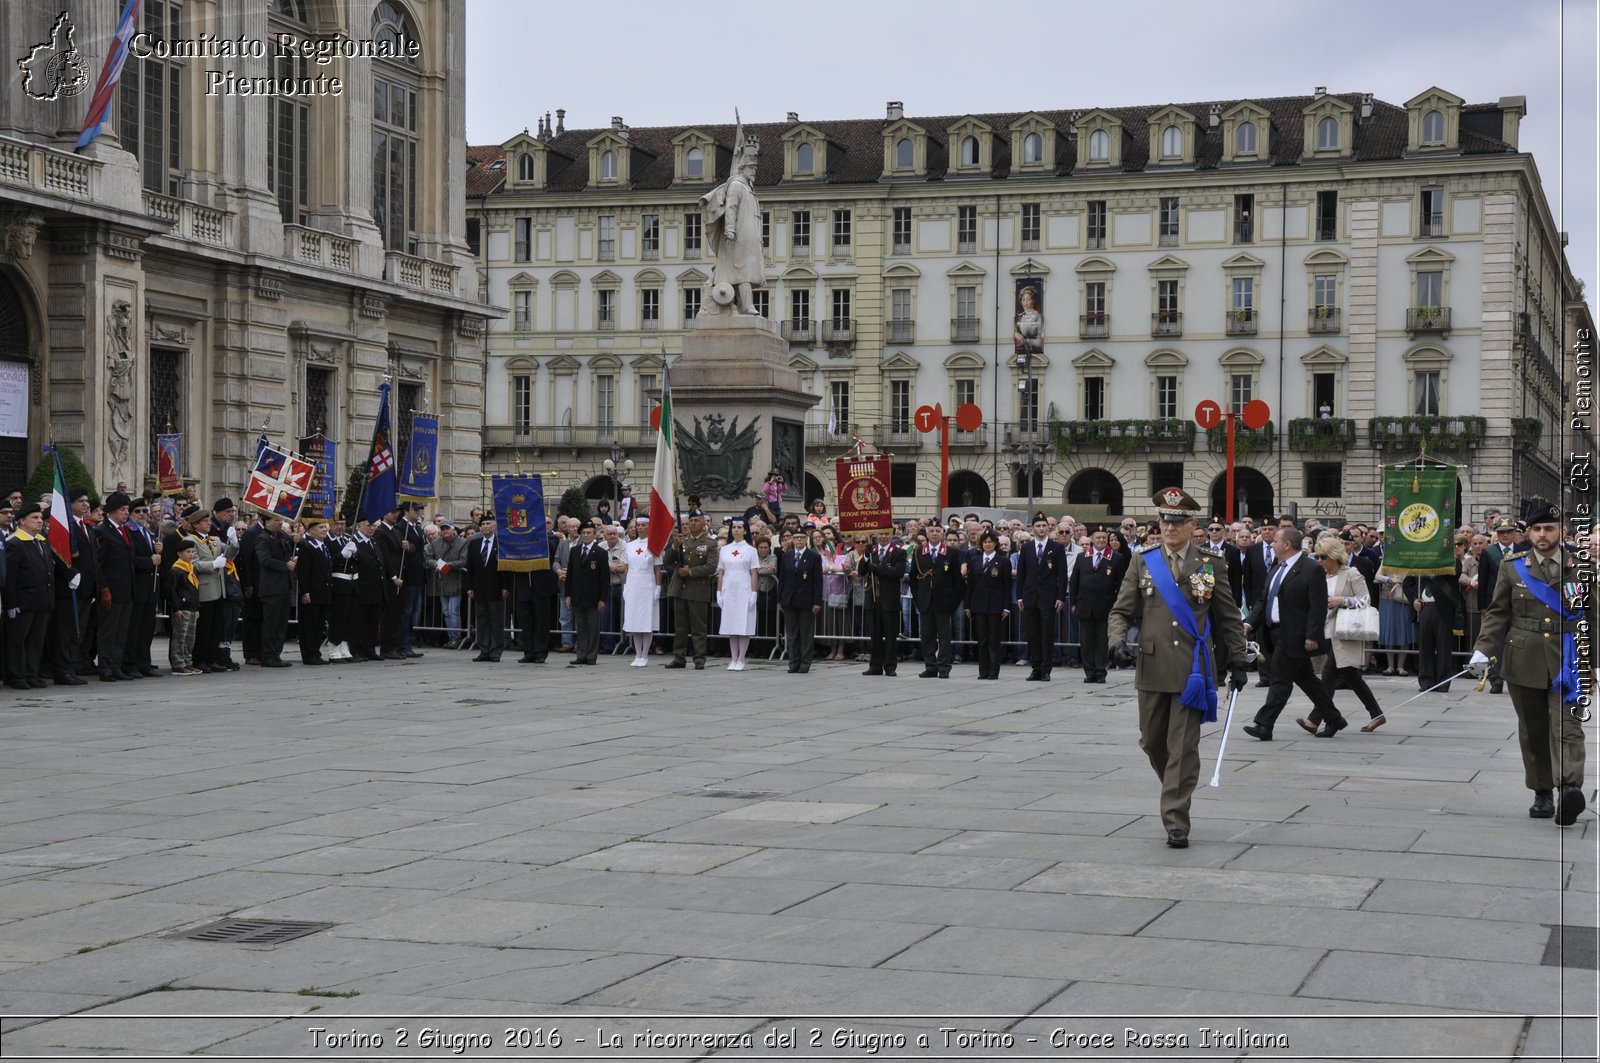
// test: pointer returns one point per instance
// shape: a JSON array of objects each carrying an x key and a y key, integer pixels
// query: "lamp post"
[
  {"x": 615, "y": 465},
  {"x": 1030, "y": 400},
  {"x": 1030, "y": 459}
]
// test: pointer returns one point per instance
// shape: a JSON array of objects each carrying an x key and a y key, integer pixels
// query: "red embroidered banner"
[{"x": 866, "y": 503}]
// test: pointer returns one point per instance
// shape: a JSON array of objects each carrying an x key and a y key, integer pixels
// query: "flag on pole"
[
  {"x": 380, "y": 490},
  {"x": 116, "y": 58},
  {"x": 169, "y": 463},
  {"x": 279, "y": 483},
  {"x": 60, "y": 533},
  {"x": 662, "y": 518}
]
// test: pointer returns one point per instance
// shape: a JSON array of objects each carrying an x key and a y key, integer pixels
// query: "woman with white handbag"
[{"x": 1352, "y": 622}]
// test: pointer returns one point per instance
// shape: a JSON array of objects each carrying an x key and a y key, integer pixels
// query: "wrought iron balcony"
[
  {"x": 1241, "y": 321},
  {"x": 964, "y": 329},
  {"x": 1094, "y": 326},
  {"x": 1428, "y": 319},
  {"x": 1166, "y": 323},
  {"x": 798, "y": 331},
  {"x": 1431, "y": 224},
  {"x": 902, "y": 330},
  {"x": 1323, "y": 319},
  {"x": 839, "y": 330}
]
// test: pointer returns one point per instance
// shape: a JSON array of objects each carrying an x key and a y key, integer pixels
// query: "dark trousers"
[
  {"x": 64, "y": 636},
  {"x": 311, "y": 622},
  {"x": 986, "y": 631},
  {"x": 114, "y": 627},
  {"x": 208, "y": 633},
  {"x": 390, "y": 628},
  {"x": 1435, "y": 641},
  {"x": 689, "y": 619},
  {"x": 1335, "y": 678},
  {"x": 1288, "y": 672},
  {"x": 799, "y": 631},
  {"x": 274, "y": 626},
  {"x": 586, "y": 632},
  {"x": 490, "y": 615},
  {"x": 937, "y": 649},
  {"x": 250, "y": 626},
  {"x": 611, "y": 621},
  {"x": 362, "y": 634},
  {"x": 141, "y": 632},
  {"x": 1038, "y": 625},
  {"x": 341, "y": 616},
  {"x": 536, "y": 618},
  {"x": 883, "y": 629},
  {"x": 1094, "y": 648},
  {"x": 89, "y": 634},
  {"x": 25, "y": 636}
]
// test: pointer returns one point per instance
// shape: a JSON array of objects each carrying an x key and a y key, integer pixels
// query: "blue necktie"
[{"x": 1272, "y": 591}]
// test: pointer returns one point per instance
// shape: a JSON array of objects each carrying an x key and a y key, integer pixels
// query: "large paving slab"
[{"x": 645, "y": 846}]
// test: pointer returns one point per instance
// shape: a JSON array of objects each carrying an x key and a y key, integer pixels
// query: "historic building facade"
[
  {"x": 224, "y": 257},
  {"x": 1383, "y": 275}
]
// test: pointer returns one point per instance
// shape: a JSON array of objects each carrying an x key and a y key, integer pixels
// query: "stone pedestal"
[{"x": 739, "y": 411}]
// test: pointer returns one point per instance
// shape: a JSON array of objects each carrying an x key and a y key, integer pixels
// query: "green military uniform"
[
  {"x": 1550, "y": 734},
  {"x": 691, "y": 595},
  {"x": 1169, "y": 732}
]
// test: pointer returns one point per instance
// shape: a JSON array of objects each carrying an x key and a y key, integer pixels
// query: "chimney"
[
  {"x": 1216, "y": 116},
  {"x": 561, "y": 120},
  {"x": 895, "y": 111},
  {"x": 1322, "y": 90},
  {"x": 616, "y": 121},
  {"x": 793, "y": 118},
  {"x": 1366, "y": 106},
  {"x": 1512, "y": 110}
]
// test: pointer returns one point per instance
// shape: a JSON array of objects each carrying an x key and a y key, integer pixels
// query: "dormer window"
[
  {"x": 803, "y": 159},
  {"x": 1099, "y": 146},
  {"x": 905, "y": 154},
  {"x": 969, "y": 151},
  {"x": 1172, "y": 142},
  {"x": 1433, "y": 128},
  {"x": 524, "y": 167},
  {"x": 1245, "y": 139},
  {"x": 608, "y": 166},
  {"x": 694, "y": 163},
  {"x": 1033, "y": 148},
  {"x": 1328, "y": 134}
]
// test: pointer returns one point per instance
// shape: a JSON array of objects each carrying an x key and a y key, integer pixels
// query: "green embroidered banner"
[{"x": 1419, "y": 521}]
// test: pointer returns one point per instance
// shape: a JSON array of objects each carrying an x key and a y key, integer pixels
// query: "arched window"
[
  {"x": 1433, "y": 128},
  {"x": 694, "y": 163},
  {"x": 1099, "y": 146},
  {"x": 1328, "y": 133},
  {"x": 1244, "y": 139},
  {"x": 608, "y": 165},
  {"x": 969, "y": 151},
  {"x": 524, "y": 167},
  {"x": 1172, "y": 143},
  {"x": 1033, "y": 148},
  {"x": 905, "y": 154},
  {"x": 802, "y": 159},
  {"x": 396, "y": 138}
]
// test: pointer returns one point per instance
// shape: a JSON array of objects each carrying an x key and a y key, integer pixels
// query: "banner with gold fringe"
[
  {"x": 866, "y": 503},
  {"x": 1419, "y": 520},
  {"x": 519, "y": 520}
]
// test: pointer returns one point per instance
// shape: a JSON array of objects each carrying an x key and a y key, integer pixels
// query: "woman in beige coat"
[{"x": 1347, "y": 589}]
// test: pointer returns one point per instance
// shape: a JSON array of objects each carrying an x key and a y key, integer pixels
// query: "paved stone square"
[{"x": 653, "y": 864}]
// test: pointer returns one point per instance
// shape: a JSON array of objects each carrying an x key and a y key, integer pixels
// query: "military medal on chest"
[{"x": 1202, "y": 582}]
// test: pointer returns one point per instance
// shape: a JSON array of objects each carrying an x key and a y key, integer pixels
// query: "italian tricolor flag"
[
  {"x": 60, "y": 532},
  {"x": 662, "y": 518}
]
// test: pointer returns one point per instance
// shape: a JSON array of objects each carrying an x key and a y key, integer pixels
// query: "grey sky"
[{"x": 675, "y": 64}]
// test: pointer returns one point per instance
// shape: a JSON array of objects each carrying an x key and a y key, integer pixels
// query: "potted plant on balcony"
[{"x": 1429, "y": 316}]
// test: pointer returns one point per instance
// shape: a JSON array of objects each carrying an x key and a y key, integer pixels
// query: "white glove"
[
  {"x": 719, "y": 599},
  {"x": 233, "y": 533},
  {"x": 349, "y": 551},
  {"x": 11, "y": 614},
  {"x": 77, "y": 578},
  {"x": 219, "y": 563},
  {"x": 1478, "y": 664},
  {"x": 658, "y": 592}
]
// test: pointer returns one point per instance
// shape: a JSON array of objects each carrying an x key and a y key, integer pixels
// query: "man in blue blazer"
[
  {"x": 800, "y": 598},
  {"x": 1041, "y": 590}
]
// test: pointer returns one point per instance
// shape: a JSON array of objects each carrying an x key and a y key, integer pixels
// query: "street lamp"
[
  {"x": 613, "y": 466},
  {"x": 1030, "y": 399},
  {"x": 1030, "y": 460}
]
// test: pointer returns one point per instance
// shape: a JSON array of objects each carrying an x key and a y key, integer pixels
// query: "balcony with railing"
[
  {"x": 650, "y": 253},
  {"x": 577, "y": 436},
  {"x": 798, "y": 331},
  {"x": 964, "y": 329},
  {"x": 1166, "y": 323},
  {"x": 1323, "y": 319},
  {"x": 1428, "y": 319},
  {"x": 35, "y": 166},
  {"x": 419, "y": 273},
  {"x": 1431, "y": 224},
  {"x": 195, "y": 222},
  {"x": 1241, "y": 321},
  {"x": 839, "y": 330},
  {"x": 819, "y": 435},
  {"x": 902, "y": 330},
  {"x": 1320, "y": 435},
  {"x": 901, "y": 435},
  {"x": 1439, "y": 433},
  {"x": 1094, "y": 326},
  {"x": 691, "y": 251},
  {"x": 1125, "y": 437},
  {"x": 313, "y": 246}
]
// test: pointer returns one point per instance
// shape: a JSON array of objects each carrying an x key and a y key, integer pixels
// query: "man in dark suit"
[
  {"x": 28, "y": 598},
  {"x": 314, "y": 579},
  {"x": 588, "y": 587},
  {"x": 249, "y": 577},
  {"x": 1258, "y": 562},
  {"x": 275, "y": 566},
  {"x": 535, "y": 598},
  {"x": 372, "y": 591},
  {"x": 80, "y": 581},
  {"x": 1041, "y": 590},
  {"x": 800, "y": 598},
  {"x": 1218, "y": 542},
  {"x": 938, "y": 590},
  {"x": 488, "y": 591},
  {"x": 1292, "y": 619},
  {"x": 988, "y": 575},
  {"x": 1096, "y": 578},
  {"x": 413, "y": 576},
  {"x": 884, "y": 566},
  {"x": 147, "y": 552},
  {"x": 390, "y": 540},
  {"x": 115, "y": 551}
]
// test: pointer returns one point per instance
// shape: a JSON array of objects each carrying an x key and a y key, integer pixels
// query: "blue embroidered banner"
[
  {"x": 519, "y": 518},
  {"x": 419, "y": 477}
]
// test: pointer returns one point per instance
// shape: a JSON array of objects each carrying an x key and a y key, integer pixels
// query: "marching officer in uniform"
[
  {"x": 939, "y": 589},
  {"x": 1096, "y": 578},
  {"x": 1176, "y": 682},
  {"x": 147, "y": 551},
  {"x": 693, "y": 566},
  {"x": 884, "y": 565},
  {"x": 344, "y": 574},
  {"x": 1540, "y": 596},
  {"x": 314, "y": 580},
  {"x": 988, "y": 574}
]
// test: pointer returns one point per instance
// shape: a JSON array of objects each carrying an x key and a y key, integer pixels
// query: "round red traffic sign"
[
  {"x": 928, "y": 418},
  {"x": 1256, "y": 414},
  {"x": 968, "y": 417},
  {"x": 1208, "y": 414}
]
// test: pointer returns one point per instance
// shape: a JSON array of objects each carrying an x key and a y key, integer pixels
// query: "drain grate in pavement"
[
  {"x": 740, "y": 795},
  {"x": 1572, "y": 946},
  {"x": 251, "y": 931}
]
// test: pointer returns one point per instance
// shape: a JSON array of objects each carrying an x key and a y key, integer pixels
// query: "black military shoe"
[
  {"x": 1177, "y": 838},
  {"x": 1569, "y": 802},
  {"x": 1258, "y": 732},
  {"x": 1543, "y": 806}
]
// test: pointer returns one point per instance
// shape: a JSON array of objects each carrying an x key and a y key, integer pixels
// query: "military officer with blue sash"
[
  {"x": 1183, "y": 591},
  {"x": 1540, "y": 596}
]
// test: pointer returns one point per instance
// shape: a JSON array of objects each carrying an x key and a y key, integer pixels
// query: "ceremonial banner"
[
  {"x": 417, "y": 484},
  {"x": 279, "y": 483},
  {"x": 378, "y": 494},
  {"x": 866, "y": 504},
  {"x": 61, "y": 519},
  {"x": 519, "y": 516},
  {"x": 322, "y": 452},
  {"x": 169, "y": 464},
  {"x": 1419, "y": 521}
]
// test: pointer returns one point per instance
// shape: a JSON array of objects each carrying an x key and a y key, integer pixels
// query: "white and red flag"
[{"x": 279, "y": 483}]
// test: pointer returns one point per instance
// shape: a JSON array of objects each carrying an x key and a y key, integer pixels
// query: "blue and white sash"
[
  {"x": 1566, "y": 681},
  {"x": 1200, "y": 692}
]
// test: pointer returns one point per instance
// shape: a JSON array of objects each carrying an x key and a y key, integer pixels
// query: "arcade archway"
[
  {"x": 1252, "y": 494},
  {"x": 1095, "y": 487}
]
